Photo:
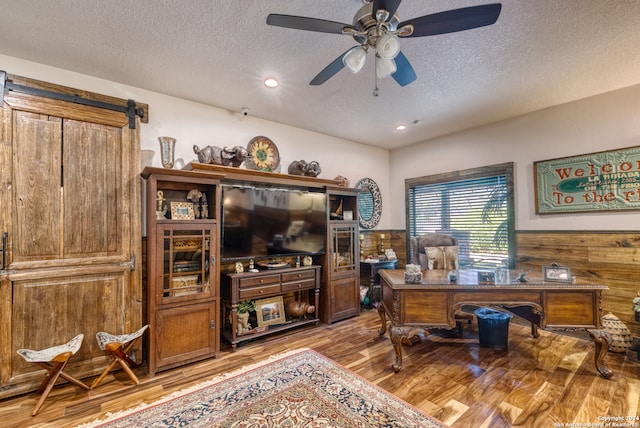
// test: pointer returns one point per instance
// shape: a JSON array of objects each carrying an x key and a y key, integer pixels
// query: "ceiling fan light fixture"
[
  {"x": 388, "y": 46},
  {"x": 354, "y": 59},
  {"x": 385, "y": 67}
]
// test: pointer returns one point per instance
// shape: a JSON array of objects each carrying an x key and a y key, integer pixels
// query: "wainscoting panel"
[{"x": 610, "y": 258}]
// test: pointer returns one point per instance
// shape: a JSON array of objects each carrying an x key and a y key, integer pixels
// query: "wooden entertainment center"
[{"x": 193, "y": 295}]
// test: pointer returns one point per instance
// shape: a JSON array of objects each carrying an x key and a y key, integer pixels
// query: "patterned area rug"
[{"x": 301, "y": 388}]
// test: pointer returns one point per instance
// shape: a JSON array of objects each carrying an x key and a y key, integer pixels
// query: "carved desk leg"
[
  {"x": 397, "y": 335},
  {"x": 603, "y": 340},
  {"x": 383, "y": 319},
  {"x": 400, "y": 335},
  {"x": 534, "y": 331},
  {"x": 532, "y": 313}
]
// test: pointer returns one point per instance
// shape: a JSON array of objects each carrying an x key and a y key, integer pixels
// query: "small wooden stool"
[
  {"x": 119, "y": 347},
  {"x": 53, "y": 359}
]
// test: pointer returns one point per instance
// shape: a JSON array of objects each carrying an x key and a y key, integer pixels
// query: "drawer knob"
[{"x": 261, "y": 291}]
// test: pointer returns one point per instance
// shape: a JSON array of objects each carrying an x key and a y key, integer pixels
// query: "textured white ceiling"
[{"x": 540, "y": 53}]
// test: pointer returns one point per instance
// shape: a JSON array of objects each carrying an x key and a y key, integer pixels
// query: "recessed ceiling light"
[
  {"x": 401, "y": 127},
  {"x": 270, "y": 82}
]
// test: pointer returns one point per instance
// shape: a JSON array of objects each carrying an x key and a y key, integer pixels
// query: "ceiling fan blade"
[
  {"x": 307, "y": 24},
  {"x": 404, "y": 71},
  {"x": 329, "y": 71},
  {"x": 454, "y": 20},
  {"x": 389, "y": 5}
]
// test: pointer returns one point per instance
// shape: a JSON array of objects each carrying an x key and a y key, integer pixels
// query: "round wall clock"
[{"x": 263, "y": 155}]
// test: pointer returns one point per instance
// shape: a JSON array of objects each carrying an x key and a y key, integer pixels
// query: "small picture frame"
[
  {"x": 486, "y": 278},
  {"x": 347, "y": 215},
  {"x": 555, "y": 273},
  {"x": 270, "y": 311},
  {"x": 182, "y": 211}
]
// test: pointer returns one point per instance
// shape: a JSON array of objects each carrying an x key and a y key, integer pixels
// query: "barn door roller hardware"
[{"x": 130, "y": 110}]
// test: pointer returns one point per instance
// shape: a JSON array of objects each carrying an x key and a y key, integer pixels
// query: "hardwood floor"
[{"x": 546, "y": 382}]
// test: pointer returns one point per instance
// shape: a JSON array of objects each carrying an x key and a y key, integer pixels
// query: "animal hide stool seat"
[
  {"x": 119, "y": 347},
  {"x": 54, "y": 360}
]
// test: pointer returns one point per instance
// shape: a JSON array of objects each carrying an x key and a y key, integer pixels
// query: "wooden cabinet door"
[
  {"x": 345, "y": 299},
  {"x": 341, "y": 294},
  {"x": 185, "y": 265},
  {"x": 69, "y": 200},
  {"x": 184, "y": 334}
]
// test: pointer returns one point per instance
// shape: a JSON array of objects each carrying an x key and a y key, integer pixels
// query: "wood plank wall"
[
  {"x": 394, "y": 239},
  {"x": 610, "y": 258}
]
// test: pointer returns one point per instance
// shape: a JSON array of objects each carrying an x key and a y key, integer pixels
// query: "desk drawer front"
[
  {"x": 425, "y": 308},
  {"x": 571, "y": 309},
  {"x": 297, "y": 276},
  {"x": 299, "y": 285},
  {"x": 259, "y": 281},
  {"x": 258, "y": 292}
]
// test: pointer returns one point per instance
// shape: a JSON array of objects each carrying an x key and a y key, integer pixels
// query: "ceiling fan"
[{"x": 376, "y": 27}]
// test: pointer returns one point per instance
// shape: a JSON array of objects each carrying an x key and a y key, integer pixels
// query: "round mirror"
[{"x": 369, "y": 203}]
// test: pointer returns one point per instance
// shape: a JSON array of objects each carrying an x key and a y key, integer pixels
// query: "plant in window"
[{"x": 496, "y": 207}]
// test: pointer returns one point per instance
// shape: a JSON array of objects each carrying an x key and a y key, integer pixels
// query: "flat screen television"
[{"x": 260, "y": 222}]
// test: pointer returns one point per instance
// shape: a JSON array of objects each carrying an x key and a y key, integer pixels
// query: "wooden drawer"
[
  {"x": 258, "y": 292},
  {"x": 304, "y": 284},
  {"x": 297, "y": 276},
  {"x": 259, "y": 281}
]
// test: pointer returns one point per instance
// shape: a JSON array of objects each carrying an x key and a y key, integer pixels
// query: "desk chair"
[
  {"x": 54, "y": 360},
  {"x": 444, "y": 256},
  {"x": 119, "y": 346}
]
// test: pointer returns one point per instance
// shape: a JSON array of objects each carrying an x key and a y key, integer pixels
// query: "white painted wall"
[
  {"x": 192, "y": 123},
  {"x": 604, "y": 122}
]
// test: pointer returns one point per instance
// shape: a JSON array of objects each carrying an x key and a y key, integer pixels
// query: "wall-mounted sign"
[{"x": 603, "y": 181}]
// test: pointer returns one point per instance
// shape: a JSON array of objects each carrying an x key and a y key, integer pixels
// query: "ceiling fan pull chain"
[{"x": 376, "y": 91}]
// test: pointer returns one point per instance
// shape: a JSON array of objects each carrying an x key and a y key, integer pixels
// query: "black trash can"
[{"x": 493, "y": 328}]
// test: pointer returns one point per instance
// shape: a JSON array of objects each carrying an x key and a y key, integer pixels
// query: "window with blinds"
[{"x": 477, "y": 211}]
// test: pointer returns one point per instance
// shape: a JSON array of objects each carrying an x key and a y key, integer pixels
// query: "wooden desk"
[{"x": 414, "y": 308}]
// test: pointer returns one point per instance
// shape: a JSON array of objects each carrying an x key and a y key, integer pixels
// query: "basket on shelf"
[{"x": 183, "y": 285}]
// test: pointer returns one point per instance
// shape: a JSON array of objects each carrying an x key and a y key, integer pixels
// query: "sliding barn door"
[{"x": 70, "y": 204}]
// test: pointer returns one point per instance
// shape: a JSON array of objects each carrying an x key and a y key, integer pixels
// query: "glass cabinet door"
[
  {"x": 343, "y": 248},
  {"x": 187, "y": 258}
]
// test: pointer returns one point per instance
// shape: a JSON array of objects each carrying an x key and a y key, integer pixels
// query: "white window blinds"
[{"x": 474, "y": 211}]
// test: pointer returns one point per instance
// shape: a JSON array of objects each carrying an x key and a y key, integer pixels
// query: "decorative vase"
[{"x": 167, "y": 151}]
